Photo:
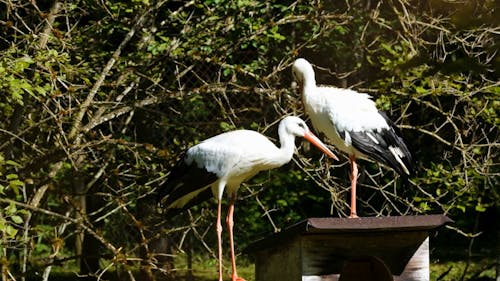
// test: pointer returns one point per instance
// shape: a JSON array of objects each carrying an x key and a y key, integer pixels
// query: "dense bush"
[{"x": 98, "y": 98}]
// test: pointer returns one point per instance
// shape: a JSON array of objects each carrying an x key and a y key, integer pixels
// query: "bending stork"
[{"x": 225, "y": 161}]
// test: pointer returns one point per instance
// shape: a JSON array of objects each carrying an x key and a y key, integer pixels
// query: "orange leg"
[
  {"x": 219, "y": 238},
  {"x": 354, "y": 178},
  {"x": 230, "y": 224}
]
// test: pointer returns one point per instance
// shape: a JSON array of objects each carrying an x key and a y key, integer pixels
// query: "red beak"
[{"x": 320, "y": 145}]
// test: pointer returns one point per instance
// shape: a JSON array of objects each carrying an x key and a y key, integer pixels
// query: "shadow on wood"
[{"x": 331, "y": 249}]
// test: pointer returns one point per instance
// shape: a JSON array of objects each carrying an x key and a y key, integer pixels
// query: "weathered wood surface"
[
  {"x": 332, "y": 225},
  {"x": 417, "y": 268},
  {"x": 279, "y": 264},
  {"x": 321, "y": 251},
  {"x": 327, "y": 254}
]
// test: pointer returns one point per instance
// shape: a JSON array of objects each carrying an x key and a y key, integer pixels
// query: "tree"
[{"x": 98, "y": 98}]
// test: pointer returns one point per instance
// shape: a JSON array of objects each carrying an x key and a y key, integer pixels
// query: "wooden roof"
[{"x": 331, "y": 225}]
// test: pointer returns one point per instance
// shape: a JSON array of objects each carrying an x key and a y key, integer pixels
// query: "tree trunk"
[
  {"x": 87, "y": 247},
  {"x": 91, "y": 247},
  {"x": 79, "y": 188},
  {"x": 498, "y": 245},
  {"x": 155, "y": 247}
]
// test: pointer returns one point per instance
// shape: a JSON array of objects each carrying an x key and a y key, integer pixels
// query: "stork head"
[
  {"x": 294, "y": 126},
  {"x": 303, "y": 72}
]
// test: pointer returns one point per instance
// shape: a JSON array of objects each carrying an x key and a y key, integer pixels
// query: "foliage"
[{"x": 98, "y": 98}]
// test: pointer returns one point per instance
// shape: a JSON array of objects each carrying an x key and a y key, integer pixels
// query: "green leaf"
[
  {"x": 226, "y": 126},
  {"x": 480, "y": 208},
  {"x": 12, "y": 163},
  {"x": 40, "y": 90},
  {"x": 461, "y": 208},
  {"x": 17, "y": 219},
  {"x": 11, "y": 176},
  {"x": 282, "y": 202},
  {"x": 424, "y": 206},
  {"x": 16, "y": 183},
  {"x": 227, "y": 71},
  {"x": 421, "y": 90},
  {"x": 11, "y": 209},
  {"x": 10, "y": 231}
]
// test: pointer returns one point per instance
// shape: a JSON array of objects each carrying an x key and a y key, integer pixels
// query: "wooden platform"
[{"x": 368, "y": 248}]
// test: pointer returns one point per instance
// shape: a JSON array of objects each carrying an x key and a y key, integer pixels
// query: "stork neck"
[
  {"x": 287, "y": 142},
  {"x": 309, "y": 78},
  {"x": 309, "y": 83}
]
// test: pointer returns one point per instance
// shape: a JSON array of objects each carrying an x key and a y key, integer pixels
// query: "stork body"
[
  {"x": 353, "y": 124},
  {"x": 222, "y": 163}
]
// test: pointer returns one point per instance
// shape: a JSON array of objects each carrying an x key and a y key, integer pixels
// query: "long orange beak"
[{"x": 310, "y": 137}]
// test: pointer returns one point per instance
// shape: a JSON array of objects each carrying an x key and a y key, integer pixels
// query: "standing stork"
[
  {"x": 223, "y": 162},
  {"x": 353, "y": 124}
]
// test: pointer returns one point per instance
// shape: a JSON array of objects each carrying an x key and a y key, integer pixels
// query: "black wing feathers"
[
  {"x": 184, "y": 179},
  {"x": 408, "y": 157},
  {"x": 380, "y": 149}
]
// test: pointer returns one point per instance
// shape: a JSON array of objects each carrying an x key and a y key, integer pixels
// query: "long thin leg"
[
  {"x": 219, "y": 238},
  {"x": 354, "y": 178},
  {"x": 230, "y": 224}
]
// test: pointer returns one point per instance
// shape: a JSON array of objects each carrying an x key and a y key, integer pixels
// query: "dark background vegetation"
[{"x": 98, "y": 97}]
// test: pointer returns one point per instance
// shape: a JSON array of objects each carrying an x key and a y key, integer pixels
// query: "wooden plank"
[
  {"x": 327, "y": 254},
  {"x": 279, "y": 264},
  {"x": 417, "y": 268},
  {"x": 329, "y": 277}
]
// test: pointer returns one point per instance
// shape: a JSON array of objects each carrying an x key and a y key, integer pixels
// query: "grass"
[
  {"x": 205, "y": 269},
  {"x": 479, "y": 269}
]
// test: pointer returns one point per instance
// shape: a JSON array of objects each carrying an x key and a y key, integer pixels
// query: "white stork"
[
  {"x": 353, "y": 124},
  {"x": 224, "y": 162}
]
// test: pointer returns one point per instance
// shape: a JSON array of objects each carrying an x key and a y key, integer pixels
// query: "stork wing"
[
  {"x": 232, "y": 153},
  {"x": 185, "y": 178},
  {"x": 386, "y": 146}
]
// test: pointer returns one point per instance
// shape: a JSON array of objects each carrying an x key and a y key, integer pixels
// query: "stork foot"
[
  {"x": 353, "y": 216},
  {"x": 235, "y": 277}
]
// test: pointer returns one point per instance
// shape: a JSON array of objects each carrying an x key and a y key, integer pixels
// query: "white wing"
[
  {"x": 235, "y": 152},
  {"x": 352, "y": 111}
]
